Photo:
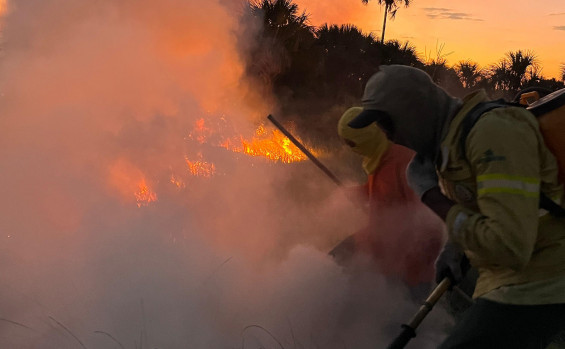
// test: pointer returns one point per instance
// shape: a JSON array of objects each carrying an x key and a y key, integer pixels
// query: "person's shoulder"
[
  {"x": 395, "y": 159},
  {"x": 506, "y": 120},
  {"x": 503, "y": 128},
  {"x": 398, "y": 151},
  {"x": 508, "y": 113}
]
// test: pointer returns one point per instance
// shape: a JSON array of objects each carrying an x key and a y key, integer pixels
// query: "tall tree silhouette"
[
  {"x": 391, "y": 6},
  {"x": 283, "y": 35},
  {"x": 345, "y": 59},
  {"x": 469, "y": 73},
  {"x": 395, "y": 52},
  {"x": 514, "y": 72},
  {"x": 523, "y": 66}
]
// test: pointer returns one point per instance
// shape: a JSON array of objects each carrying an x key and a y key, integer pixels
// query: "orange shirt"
[{"x": 404, "y": 237}]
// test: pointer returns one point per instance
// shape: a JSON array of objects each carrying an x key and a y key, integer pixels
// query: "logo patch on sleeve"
[{"x": 490, "y": 156}]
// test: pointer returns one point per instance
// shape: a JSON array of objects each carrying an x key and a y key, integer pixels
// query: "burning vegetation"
[
  {"x": 200, "y": 168},
  {"x": 144, "y": 196},
  {"x": 266, "y": 143},
  {"x": 263, "y": 144},
  {"x": 272, "y": 145},
  {"x": 124, "y": 197}
]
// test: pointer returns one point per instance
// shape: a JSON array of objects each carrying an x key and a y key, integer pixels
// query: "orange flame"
[
  {"x": 144, "y": 196},
  {"x": 130, "y": 182},
  {"x": 272, "y": 145},
  {"x": 200, "y": 132},
  {"x": 200, "y": 168}
]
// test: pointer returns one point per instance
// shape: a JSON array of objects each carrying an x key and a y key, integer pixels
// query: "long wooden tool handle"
[
  {"x": 304, "y": 150},
  {"x": 409, "y": 330},
  {"x": 432, "y": 299}
]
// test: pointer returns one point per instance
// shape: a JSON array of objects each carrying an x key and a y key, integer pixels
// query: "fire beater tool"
[{"x": 311, "y": 156}]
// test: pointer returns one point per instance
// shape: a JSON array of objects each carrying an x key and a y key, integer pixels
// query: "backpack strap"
[
  {"x": 471, "y": 119},
  {"x": 474, "y": 115}
]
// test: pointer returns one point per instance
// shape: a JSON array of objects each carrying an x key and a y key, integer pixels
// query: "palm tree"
[
  {"x": 391, "y": 6},
  {"x": 282, "y": 21},
  {"x": 563, "y": 71},
  {"x": 395, "y": 52},
  {"x": 513, "y": 72},
  {"x": 523, "y": 66},
  {"x": 284, "y": 34},
  {"x": 469, "y": 73},
  {"x": 500, "y": 76}
]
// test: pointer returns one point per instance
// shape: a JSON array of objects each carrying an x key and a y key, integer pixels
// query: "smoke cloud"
[{"x": 109, "y": 241}]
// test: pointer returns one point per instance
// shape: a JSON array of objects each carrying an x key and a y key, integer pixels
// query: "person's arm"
[
  {"x": 422, "y": 178},
  {"x": 503, "y": 150},
  {"x": 437, "y": 202}
]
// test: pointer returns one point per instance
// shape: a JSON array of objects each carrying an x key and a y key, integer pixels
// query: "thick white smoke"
[{"x": 98, "y": 95}]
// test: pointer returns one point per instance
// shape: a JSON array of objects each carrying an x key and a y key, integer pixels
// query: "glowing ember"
[
  {"x": 200, "y": 132},
  {"x": 200, "y": 168},
  {"x": 177, "y": 182},
  {"x": 129, "y": 181},
  {"x": 144, "y": 195}
]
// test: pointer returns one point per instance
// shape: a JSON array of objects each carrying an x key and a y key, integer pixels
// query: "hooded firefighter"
[{"x": 403, "y": 237}]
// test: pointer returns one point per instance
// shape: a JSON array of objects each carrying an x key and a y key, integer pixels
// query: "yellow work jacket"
[{"x": 495, "y": 180}]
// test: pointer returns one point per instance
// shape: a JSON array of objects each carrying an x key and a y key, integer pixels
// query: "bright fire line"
[{"x": 273, "y": 145}]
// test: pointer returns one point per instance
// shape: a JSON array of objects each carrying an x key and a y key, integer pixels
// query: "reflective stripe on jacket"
[{"x": 495, "y": 179}]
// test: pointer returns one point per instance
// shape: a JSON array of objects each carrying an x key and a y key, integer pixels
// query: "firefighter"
[
  {"x": 490, "y": 192},
  {"x": 389, "y": 198}
]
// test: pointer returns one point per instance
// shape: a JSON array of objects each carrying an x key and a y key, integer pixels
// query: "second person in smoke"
[{"x": 403, "y": 236}]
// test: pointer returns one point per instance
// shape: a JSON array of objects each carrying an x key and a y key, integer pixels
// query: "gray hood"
[{"x": 419, "y": 108}]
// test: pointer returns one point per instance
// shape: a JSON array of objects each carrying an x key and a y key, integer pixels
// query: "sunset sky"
[{"x": 480, "y": 30}]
